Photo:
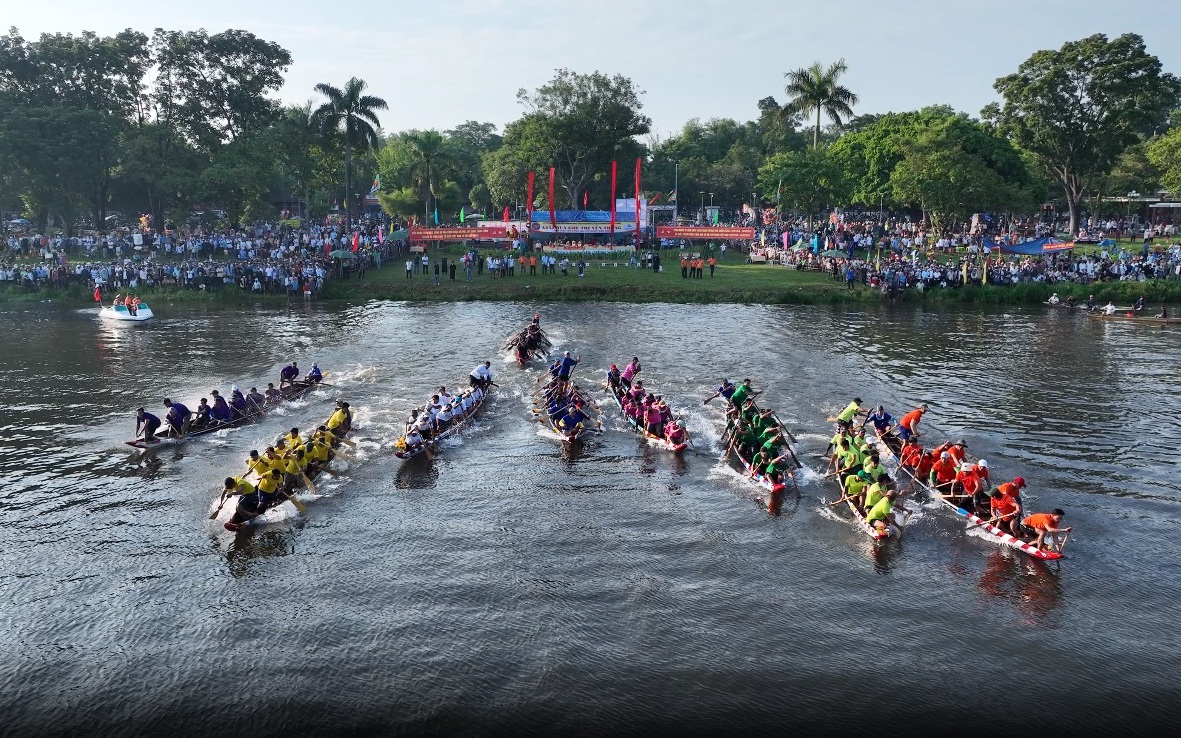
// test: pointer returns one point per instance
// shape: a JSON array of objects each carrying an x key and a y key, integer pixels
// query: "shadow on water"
[
  {"x": 417, "y": 473},
  {"x": 1033, "y": 587},
  {"x": 252, "y": 545}
]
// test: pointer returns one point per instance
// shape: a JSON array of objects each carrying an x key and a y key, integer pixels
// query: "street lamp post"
[
  {"x": 1131, "y": 194},
  {"x": 701, "y": 218}
]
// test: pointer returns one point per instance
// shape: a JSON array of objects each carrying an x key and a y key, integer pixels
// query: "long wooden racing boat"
[
  {"x": 238, "y": 521},
  {"x": 524, "y": 350},
  {"x": 758, "y": 478},
  {"x": 541, "y": 410},
  {"x": 888, "y": 449},
  {"x": 1140, "y": 319},
  {"x": 640, "y": 430},
  {"x": 168, "y": 438},
  {"x": 401, "y": 450}
]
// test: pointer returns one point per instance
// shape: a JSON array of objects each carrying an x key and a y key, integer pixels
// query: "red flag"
[
  {"x": 553, "y": 216},
  {"x": 98, "y": 295},
  {"x": 614, "y": 171},
  {"x": 506, "y": 213},
  {"x": 584, "y": 193},
  {"x": 529, "y": 200},
  {"x": 380, "y": 238},
  {"x": 327, "y": 249},
  {"x": 637, "y": 199}
]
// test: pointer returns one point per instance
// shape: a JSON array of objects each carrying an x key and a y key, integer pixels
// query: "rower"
[
  {"x": 1164, "y": 313},
  {"x": 654, "y": 420},
  {"x": 725, "y": 391},
  {"x": 1140, "y": 305},
  {"x": 881, "y": 515},
  {"x": 846, "y": 417},
  {"x": 1109, "y": 308},
  {"x": 675, "y": 433},
  {"x": 256, "y": 463},
  {"x": 292, "y": 438},
  {"x": 967, "y": 490},
  {"x": 443, "y": 418},
  {"x": 854, "y": 487},
  {"x": 536, "y": 322},
  {"x": 573, "y": 419},
  {"x": 943, "y": 473},
  {"x": 630, "y": 371},
  {"x": 481, "y": 376},
  {"x": 256, "y": 399},
  {"x": 288, "y": 375},
  {"x": 1091, "y": 303},
  {"x": 875, "y": 491},
  {"x": 1054, "y": 299},
  {"x": 882, "y": 421},
  {"x": 203, "y": 415},
  {"x": 341, "y": 419},
  {"x": 1046, "y": 523},
  {"x": 315, "y": 376},
  {"x": 1009, "y": 509},
  {"x": 177, "y": 417},
  {"x": 908, "y": 426},
  {"x": 414, "y": 440},
  {"x": 1070, "y": 301},
  {"x": 147, "y": 424},
  {"x": 220, "y": 411},
  {"x": 272, "y": 395},
  {"x": 238, "y": 405}
]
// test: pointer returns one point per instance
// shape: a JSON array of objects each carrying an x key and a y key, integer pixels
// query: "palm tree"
[
  {"x": 431, "y": 164},
  {"x": 351, "y": 112},
  {"x": 815, "y": 88}
]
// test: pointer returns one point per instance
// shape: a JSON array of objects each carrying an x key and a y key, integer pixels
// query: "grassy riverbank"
[{"x": 613, "y": 281}]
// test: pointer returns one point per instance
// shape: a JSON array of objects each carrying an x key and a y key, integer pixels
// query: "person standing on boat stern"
[
  {"x": 742, "y": 393},
  {"x": 288, "y": 375},
  {"x": 566, "y": 366},
  {"x": 908, "y": 426},
  {"x": 146, "y": 423},
  {"x": 613, "y": 378},
  {"x": 481, "y": 376},
  {"x": 630, "y": 371},
  {"x": 177, "y": 417},
  {"x": 846, "y": 417},
  {"x": 1046, "y": 524}
]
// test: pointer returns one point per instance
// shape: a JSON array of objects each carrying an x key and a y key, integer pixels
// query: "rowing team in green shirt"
[
  {"x": 864, "y": 482},
  {"x": 756, "y": 435}
]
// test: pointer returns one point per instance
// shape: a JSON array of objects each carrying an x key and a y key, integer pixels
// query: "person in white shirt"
[
  {"x": 481, "y": 375},
  {"x": 477, "y": 393},
  {"x": 443, "y": 418},
  {"x": 444, "y": 396},
  {"x": 1109, "y": 308}
]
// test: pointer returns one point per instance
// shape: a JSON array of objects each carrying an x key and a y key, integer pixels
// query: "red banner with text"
[
  {"x": 479, "y": 233},
  {"x": 705, "y": 232}
]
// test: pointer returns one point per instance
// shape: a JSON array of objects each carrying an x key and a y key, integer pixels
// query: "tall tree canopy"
[
  {"x": 350, "y": 116},
  {"x": 578, "y": 123},
  {"x": 818, "y": 89},
  {"x": 1078, "y": 108}
]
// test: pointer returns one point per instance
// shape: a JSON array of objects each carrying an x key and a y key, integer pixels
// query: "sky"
[{"x": 439, "y": 63}]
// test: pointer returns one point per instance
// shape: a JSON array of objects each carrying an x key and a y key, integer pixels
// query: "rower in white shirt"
[{"x": 481, "y": 375}]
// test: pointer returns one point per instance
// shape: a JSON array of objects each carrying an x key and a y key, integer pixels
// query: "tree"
[
  {"x": 941, "y": 173},
  {"x": 214, "y": 89},
  {"x": 806, "y": 180},
  {"x": 1078, "y": 108},
  {"x": 467, "y": 143},
  {"x": 579, "y": 123},
  {"x": 1165, "y": 153},
  {"x": 816, "y": 88},
  {"x": 350, "y": 114}
]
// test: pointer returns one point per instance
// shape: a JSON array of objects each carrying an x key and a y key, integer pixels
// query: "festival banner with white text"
[{"x": 705, "y": 232}]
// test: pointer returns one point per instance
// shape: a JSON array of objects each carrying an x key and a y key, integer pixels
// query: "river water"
[{"x": 511, "y": 586}]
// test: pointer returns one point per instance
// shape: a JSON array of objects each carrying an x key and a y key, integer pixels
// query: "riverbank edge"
[{"x": 1123, "y": 293}]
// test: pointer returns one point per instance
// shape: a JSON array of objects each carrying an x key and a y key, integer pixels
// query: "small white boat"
[{"x": 120, "y": 312}]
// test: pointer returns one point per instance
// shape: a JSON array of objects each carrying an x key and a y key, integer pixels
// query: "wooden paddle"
[
  {"x": 990, "y": 521},
  {"x": 224, "y": 497},
  {"x": 1062, "y": 546},
  {"x": 298, "y": 505},
  {"x": 307, "y": 483}
]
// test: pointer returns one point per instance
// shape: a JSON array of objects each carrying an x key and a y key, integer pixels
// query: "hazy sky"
[{"x": 439, "y": 63}]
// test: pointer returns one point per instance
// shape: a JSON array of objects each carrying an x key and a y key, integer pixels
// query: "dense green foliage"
[{"x": 177, "y": 123}]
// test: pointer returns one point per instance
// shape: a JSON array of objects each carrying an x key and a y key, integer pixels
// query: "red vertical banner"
[
  {"x": 506, "y": 213},
  {"x": 637, "y": 199},
  {"x": 614, "y": 172},
  {"x": 529, "y": 201},
  {"x": 553, "y": 216}
]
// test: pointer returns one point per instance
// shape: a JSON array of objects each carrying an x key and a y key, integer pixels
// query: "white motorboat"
[{"x": 120, "y": 312}]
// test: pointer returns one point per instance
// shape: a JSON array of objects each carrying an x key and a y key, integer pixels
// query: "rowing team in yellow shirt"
[
  {"x": 283, "y": 466},
  {"x": 863, "y": 481}
]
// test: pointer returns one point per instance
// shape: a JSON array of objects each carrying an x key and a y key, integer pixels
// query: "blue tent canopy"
[{"x": 1036, "y": 247}]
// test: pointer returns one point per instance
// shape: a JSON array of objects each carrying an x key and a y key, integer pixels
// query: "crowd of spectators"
[{"x": 265, "y": 258}]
